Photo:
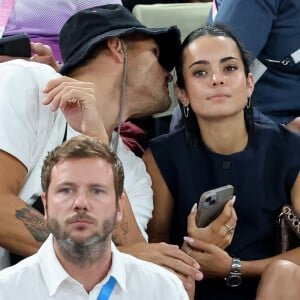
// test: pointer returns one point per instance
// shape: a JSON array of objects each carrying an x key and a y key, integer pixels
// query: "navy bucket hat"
[{"x": 87, "y": 28}]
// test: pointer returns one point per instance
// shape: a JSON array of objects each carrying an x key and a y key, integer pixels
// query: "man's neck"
[{"x": 88, "y": 273}]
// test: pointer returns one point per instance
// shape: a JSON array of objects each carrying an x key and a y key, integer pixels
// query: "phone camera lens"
[
  {"x": 207, "y": 200},
  {"x": 210, "y": 201}
]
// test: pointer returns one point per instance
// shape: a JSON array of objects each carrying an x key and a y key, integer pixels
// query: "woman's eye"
[
  {"x": 230, "y": 68},
  {"x": 199, "y": 73}
]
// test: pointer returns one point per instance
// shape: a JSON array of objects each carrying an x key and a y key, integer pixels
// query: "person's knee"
[
  {"x": 280, "y": 270},
  {"x": 282, "y": 264},
  {"x": 280, "y": 278}
]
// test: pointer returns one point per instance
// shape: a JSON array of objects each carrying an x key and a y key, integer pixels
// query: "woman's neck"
[{"x": 226, "y": 136}]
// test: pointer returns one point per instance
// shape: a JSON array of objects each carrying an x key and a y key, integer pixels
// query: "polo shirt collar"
[
  {"x": 118, "y": 267},
  {"x": 52, "y": 271},
  {"x": 54, "y": 274}
]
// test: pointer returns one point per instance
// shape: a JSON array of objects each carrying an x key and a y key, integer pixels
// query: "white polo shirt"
[{"x": 41, "y": 276}]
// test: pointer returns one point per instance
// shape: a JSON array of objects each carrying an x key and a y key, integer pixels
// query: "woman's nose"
[{"x": 217, "y": 79}]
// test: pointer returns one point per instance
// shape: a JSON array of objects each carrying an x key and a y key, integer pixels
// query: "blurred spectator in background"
[
  {"x": 129, "y": 4},
  {"x": 275, "y": 52},
  {"x": 42, "y": 22}
]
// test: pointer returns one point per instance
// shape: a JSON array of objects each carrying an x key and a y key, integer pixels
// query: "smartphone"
[
  {"x": 211, "y": 204},
  {"x": 15, "y": 45}
]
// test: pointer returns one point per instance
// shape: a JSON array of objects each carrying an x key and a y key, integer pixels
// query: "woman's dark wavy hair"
[{"x": 191, "y": 124}]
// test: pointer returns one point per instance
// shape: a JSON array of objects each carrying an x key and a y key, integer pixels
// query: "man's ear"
[
  {"x": 44, "y": 199},
  {"x": 120, "y": 208},
  {"x": 181, "y": 95},
  {"x": 115, "y": 47}
]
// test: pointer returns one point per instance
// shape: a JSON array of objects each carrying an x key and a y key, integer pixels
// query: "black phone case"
[
  {"x": 211, "y": 204},
  {"x": 15, "y": 45}
]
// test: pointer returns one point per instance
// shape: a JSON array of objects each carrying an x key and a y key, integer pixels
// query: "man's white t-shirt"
[{"x": 28, "y": 130}]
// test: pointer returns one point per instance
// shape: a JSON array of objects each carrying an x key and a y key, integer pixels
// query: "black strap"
[{"x": 66, "y": 133}]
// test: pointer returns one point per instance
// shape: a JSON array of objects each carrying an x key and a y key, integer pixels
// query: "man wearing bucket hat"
[
  {"x": 117, "y": 68},
  {"x": 82, "y": 32}
]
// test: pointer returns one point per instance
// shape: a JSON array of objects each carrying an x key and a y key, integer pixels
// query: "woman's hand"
[
  {"x": 219, "y": 232},
  {"x": 214, "y": 261}
]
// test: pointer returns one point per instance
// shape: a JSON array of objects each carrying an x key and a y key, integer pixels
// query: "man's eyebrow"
[
  {"x": 62, "y": 183},
  {"x": 97, "y": 185},
  {"x": 205, "y": 62}
]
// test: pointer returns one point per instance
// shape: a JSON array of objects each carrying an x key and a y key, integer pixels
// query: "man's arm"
[
  {"x": 40, "y": 53},
  {"x": 127, "y": 233},
  {"x": 22, "y": 228},
  {"x": 137, "y": 185}
]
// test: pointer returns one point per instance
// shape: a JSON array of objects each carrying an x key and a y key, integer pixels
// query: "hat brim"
[{"x": 168, "y": 40}]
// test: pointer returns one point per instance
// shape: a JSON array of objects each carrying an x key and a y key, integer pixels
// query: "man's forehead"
[
  {"x": 98, "y": 171},
  {"x": 92, "y": 163}
]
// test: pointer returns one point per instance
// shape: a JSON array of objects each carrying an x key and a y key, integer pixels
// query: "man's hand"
[
  {"x": 170, "y": 257},
  {"x": 4, "y": 58},
  {"x": 41, "y": 54},
  {"x": 77, "y": 101}
]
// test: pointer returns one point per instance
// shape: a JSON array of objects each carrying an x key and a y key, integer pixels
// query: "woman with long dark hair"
[{"x": 220, "y": 144}]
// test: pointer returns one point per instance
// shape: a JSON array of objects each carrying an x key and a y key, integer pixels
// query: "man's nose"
[{"x": 81, "y": 202}]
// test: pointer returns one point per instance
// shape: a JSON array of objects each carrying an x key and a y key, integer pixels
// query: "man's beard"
[{"x": 85, "y": 251}]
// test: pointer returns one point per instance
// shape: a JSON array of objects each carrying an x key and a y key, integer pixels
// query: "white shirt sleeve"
[
  {"x": 28, "y": 129},
  {"x": 21, "y": 93},
  {"x": 137, "y": 186}
]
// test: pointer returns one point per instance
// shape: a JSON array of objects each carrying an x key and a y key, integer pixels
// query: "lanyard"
[
  {"x": 5, "y": 11},
  {"x": 107, "y": 289}
]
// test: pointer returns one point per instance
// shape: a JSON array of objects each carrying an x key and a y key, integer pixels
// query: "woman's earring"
[
  {"x": 186, "y": 111},
  {"x": 248, "y": 105}
]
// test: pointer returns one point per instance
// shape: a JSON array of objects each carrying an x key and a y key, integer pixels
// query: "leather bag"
[{"x": 288, "y": 228}]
